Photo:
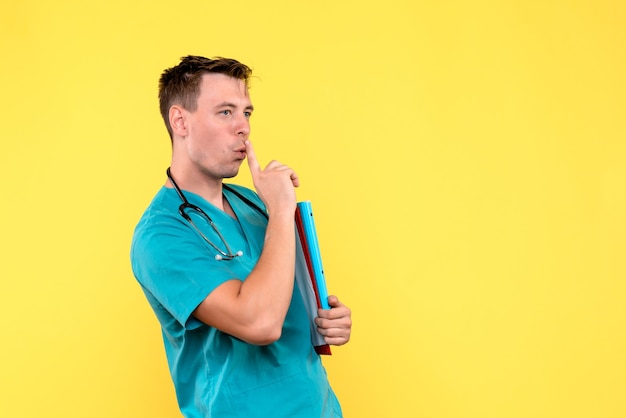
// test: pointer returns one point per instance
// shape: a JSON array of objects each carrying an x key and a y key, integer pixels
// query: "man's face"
[{"x": 217, "y": 129}]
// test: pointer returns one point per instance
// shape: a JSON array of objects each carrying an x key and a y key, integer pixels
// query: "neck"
[{"x": 209, "y": 189}]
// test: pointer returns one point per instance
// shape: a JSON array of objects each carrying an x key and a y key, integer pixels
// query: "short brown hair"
[{"x": 181, "y": 84}]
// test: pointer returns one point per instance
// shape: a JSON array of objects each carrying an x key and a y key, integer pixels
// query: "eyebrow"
[{"x": 228, "y": 104}]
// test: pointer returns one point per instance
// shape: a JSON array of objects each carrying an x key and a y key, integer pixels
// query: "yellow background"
[{"x": 466, "y": 161}]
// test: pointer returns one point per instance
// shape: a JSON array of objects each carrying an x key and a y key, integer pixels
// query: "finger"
[
  {"x": 277, "y": 165},
  {"x": 253, "y": 163},
  {"x": 335, "y": 336},
  {"x": 336, "y": 341},
  {"x": 344, "y": 322},
  {"x": 294, "y": 179},
  {"x": 337, "y": 309}
]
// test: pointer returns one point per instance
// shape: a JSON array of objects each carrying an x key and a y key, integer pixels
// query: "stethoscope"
[{"x": 221, "y": 255}]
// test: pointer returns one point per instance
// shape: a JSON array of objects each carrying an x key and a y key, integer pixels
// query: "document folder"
[{"x": 310, "y": 272}]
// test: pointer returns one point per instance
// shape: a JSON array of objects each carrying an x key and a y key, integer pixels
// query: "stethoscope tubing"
[{"x": 222, "y": 255}]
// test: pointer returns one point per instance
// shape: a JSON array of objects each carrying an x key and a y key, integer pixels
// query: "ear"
[{"x": 178, "y": 121}]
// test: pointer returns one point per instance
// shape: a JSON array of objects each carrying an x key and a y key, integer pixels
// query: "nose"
[{"x": 242, "y": 126}]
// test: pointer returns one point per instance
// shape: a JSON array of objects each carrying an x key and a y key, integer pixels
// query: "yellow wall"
[{"x": 466, "y": 161}]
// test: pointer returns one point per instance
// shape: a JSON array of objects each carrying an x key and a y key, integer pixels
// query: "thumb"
[{"x": 333, "y": 301}]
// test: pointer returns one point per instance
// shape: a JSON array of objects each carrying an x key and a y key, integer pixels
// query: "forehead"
[{"x": 220, "y": 87}]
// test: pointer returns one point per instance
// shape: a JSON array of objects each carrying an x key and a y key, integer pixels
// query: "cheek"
[{"x": 206, "y": 150}]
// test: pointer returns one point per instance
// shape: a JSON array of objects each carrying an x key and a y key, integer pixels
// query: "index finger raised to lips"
[{"x": 252, "y": 161}]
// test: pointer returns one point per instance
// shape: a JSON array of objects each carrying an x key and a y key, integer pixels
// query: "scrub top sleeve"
[{"x": 176, "y": 269}]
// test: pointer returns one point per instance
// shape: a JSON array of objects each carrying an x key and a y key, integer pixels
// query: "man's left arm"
[{"x": 335, "y": 324}]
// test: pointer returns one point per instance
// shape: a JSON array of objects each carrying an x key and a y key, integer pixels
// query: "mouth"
[{"x": 240, "y": 152}]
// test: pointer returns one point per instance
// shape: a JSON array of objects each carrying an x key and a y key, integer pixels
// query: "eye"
[
  {"x": 247, "y": 114},
  {"x": 226, "y": 112}
]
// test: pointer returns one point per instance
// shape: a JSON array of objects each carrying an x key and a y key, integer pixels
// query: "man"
[{"x": 217, "y": 262}]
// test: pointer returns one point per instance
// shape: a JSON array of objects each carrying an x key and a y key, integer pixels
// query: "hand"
[
  {"x": 275, "y": 184},
  {"x": 335, "y": 324}
]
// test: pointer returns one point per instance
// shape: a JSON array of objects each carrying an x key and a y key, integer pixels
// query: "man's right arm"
[{"x": 254, "y": 310}]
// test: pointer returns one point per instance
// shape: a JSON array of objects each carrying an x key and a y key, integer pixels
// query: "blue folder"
[
  {"x": 305, "y": 213},
  {"x": 310, "y": 273}
]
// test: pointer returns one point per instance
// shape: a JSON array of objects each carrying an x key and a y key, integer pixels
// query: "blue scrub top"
[{"x": 214, "y": 373}]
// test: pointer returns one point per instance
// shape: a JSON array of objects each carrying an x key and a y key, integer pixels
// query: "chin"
[{"x": 231, "y": 175}]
